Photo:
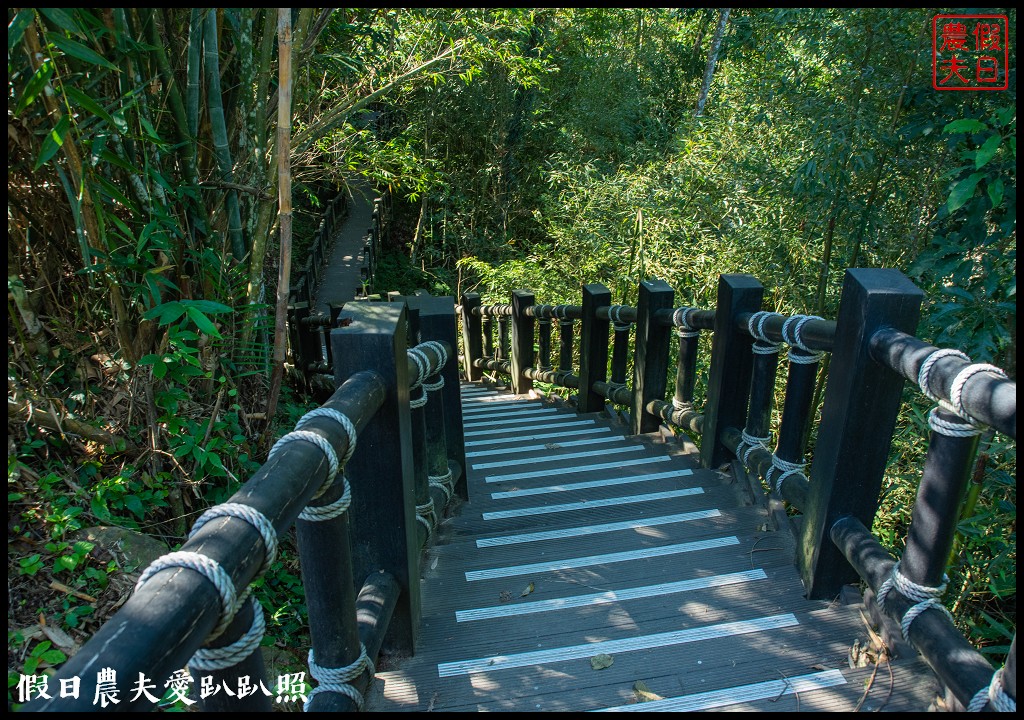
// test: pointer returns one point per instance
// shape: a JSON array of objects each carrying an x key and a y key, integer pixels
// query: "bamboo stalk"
[
  {"x": 284, "y": 195},
  {"x": 219, "y": 130}
]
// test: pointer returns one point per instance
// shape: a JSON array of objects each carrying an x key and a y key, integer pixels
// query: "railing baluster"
[
  {"x": 565, "y": 342},
  {"x": 544, "y": 342},
  {"x": 650, "y": 363},
  {"x": 472, "y": 331},
  {"x": 593, "y": 347},
  {"x": 522, "y": 341}
]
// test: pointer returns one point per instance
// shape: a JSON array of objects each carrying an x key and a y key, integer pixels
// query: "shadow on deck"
[{"x": 591, "y": 570}]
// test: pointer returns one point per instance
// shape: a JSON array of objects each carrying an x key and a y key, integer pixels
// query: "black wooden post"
[
  {"x": 503, "y": 351},
  {"x": 472, "y": 340},
  {"x": 382, "y": 515},
  {"x": 686, "y": 366},
  {"x": 731, "y": 362},
  {"x": 488, "y": 327},
  {"x": 544, "y": 341},
  {"x": 308, "y": 340},
  {"x": 862, "y": 399},
  {"x": 522, "y": 341},
  {"x": 620, "y": 348},
  {"x": 650, "y": 354},
  {"x": 593, "y": 347},
  {"x": 565, "y": 345}
]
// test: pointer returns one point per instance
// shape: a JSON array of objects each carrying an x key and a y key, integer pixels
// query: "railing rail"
[{"x": 873, "y": 350}]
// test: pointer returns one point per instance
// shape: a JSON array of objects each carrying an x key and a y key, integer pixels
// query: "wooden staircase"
[{"x": 581, "y": 547}]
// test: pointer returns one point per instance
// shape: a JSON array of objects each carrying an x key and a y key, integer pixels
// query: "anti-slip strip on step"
[
  {"x": 611, "y": 596},
  {"x": 588, "y": 504},
  {"x": 610, "y": 647},
  {"x": 573, "y": 532},
  {"x": 577, "y": 469},
  {"x": 570, "y": 421},
  {"x": 772, "y": 689},
  {"x": 570, "y": 487},
  {"x": 538, "y": 436},
  {"x": 555, "y": 458},
  {"x": 603, "y": 559}
]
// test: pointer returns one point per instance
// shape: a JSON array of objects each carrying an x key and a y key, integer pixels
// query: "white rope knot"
[
  {"x": 926, "y": 598},
  {"x": 339, "y": 679},
  {"x": 994, "y": 693},
  {"x": 422, "y": 365},
  {"x": 785, "y": 469},
  {"x": 420, "y": 400},
  {"x": 796, "y": 340},
  {"x": 433, "y": 387},
  {"x": 427, "y": 516},
  {"x": 446, "y": 483},
  {"x": 321, "y": 513},
  {"x": 252, "y": 516},
  {"x": 951, "y": 428},
  {"x": 753, "y": 443},
  {"x": 211, "y": 570},
  {"x": 340, "y": 418},
  {"x": 755, "y": 326},
  {"x": 321, "y": 442},
  {"x": 438, "y": 348},
  {"x": 209, "y": 659},
  {"x": 681, "y": 404},
  {"x": 615, "y": 315},
  {"x": 957, "y": 387}
]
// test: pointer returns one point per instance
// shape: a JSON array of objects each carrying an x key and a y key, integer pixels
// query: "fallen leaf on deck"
[
  {"x": 527, "y": 591},
  {"x": 552, "y": 446},
  {"x": 504, "y": 596},
  {"x": 602, "y": 661},
  {"x": 643, "y": 693}
]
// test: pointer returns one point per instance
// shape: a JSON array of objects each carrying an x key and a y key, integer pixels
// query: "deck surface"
[{"x": 579, "y": 542}]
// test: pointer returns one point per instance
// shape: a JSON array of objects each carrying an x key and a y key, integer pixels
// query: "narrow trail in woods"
[{"x": 341, "y": 276}]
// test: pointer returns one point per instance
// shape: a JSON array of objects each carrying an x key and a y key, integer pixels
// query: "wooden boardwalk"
[{"x": 579, "y": 542}]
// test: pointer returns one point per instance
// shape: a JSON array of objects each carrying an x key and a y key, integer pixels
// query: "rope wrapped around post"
[
  {"x": 681, "y": 318},
  {"x": 426, "y": 367}
]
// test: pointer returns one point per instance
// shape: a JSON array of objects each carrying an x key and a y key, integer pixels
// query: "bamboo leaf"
[
  {"x": 88, "y": 104},
  {"x": 207, "y": 306},
  {"x": 80, "y": 51},
  {"x": 202, "y": 322},
  {"x": 34, "y": 86},
  {"x": 53, "y": 142},
  {"x": 995, "y": 192},
  {"x": 16, "y": 28},
  {"x": 62, "y": 19}
]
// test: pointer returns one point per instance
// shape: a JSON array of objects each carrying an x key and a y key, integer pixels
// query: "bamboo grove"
[{"x": 534, "y": 148}]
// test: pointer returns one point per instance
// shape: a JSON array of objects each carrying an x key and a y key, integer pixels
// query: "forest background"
[{"x": 535, "y": 149}]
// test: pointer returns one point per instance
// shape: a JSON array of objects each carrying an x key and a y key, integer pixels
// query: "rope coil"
[
  {"x": 422, "y": 365},
  {"x": 994, "y": 693},
  {"x": 425, "y": 511},
  {"x": 926, "y": 598},
  {"x": 752, "y": 442},
  {"x": 339, "y": 679},
  {"x": 420, "y": 400},
  {"x": 785, "y": 469},
  {"x": 211, "y": 570},
  {"x": 250, "y": 515},
  {"x": 681, "y": 319},
  {"x": 755, "y": 326},
  {"x": 321, "y": 513},
  {"x": 211, "y": 659},
  {"x": 615, "y": 315},
  {"x": 446, "y": 483},
  {"x": 322, "y": 443},
  {"x": 433, "y": 387},
  {"x": 340, "y": 418},
  {"x": 951, "y": 429},
  {"x": 796, "y": 340}
]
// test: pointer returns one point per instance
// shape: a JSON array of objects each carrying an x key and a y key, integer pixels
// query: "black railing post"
[
  {"x": 544, "y": 342},
  {"x": 862, "y": 399},
  {"x": 731, "y": 363},
  {"x": 565, "y": 345},
  {"x": 650, "y": 354},
  {"x": 472, "y": 335},
  {"x": 522, "y": 341},
  {"x": 382, "y": 515},
  {"x": 593, "y": 347}
]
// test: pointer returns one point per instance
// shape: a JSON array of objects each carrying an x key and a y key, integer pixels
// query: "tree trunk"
[
  {"x": 709, "y": 71},
  {"x": 284, "y": 194}
]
